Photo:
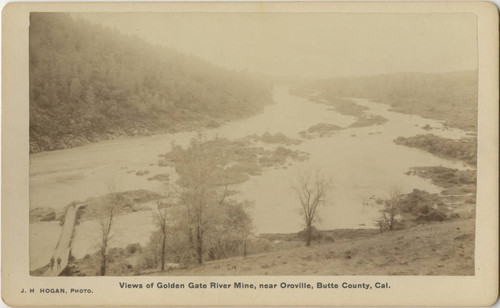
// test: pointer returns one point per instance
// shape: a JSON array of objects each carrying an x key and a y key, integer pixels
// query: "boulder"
[{"x": 42, "y": 214}]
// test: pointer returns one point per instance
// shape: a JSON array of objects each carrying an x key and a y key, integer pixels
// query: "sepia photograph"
[
  {"x": 307, "y": 148},
  {"x": 252, "y": 144}
]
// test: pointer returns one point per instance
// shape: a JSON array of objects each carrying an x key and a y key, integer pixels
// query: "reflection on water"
[{"x": 360, "y": 161}]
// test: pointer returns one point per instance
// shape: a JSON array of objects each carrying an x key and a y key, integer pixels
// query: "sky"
[{"x": 314, "y": 45}]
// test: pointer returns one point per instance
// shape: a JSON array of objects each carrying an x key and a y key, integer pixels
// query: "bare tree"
[
  {"x": 233, "y": 226},
  {"x": 165, "y": 201},
  {"x": 105, "y": 231},
  {"x": 204, "y": 191},
  {"x": 204, "y": 180},
  {"x": 203, "y": 206},
  {"x": 391, "y": 208},
  {"x": 108, "y": 212},
  {"x": 312, "y": 190},
  {"x": 153, "y": 250}
]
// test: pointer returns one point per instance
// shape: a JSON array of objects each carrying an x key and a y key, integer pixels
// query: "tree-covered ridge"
[
  {"x": 446, "y": 96},
  {"x": 89, "y": 83}
]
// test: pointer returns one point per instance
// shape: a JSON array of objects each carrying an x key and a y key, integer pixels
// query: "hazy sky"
[{"x": 312, "y": 45}]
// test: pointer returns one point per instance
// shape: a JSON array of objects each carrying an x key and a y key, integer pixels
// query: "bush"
[
  {"x": 133, "y": 248},
  {"x": 315, "y": 234}
]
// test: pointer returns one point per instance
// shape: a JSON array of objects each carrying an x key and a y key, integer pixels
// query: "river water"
[{"x": 362, "y": 162}]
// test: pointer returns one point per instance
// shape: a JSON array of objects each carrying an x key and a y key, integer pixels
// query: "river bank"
[
  {"x": 451, "y": 98},
  {"x": 428, "y": 248},
  {"x": 464, "y": 149},
  {"x": 433, "y": 249}
]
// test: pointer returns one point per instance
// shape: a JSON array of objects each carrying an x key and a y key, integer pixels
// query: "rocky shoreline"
[
  {"x": 463, "y": 149},
  {"x": 37, "y": 145}
]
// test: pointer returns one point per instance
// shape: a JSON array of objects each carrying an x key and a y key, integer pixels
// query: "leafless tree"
[
  {"x": 202, "y": 209},
  {"x": 204, "y": 192},
  {"x": 391, "y": 208},
  {"x": 165, "y": 201},
  {"x": 214, "y": 224},
  {"x": 107, "y": 215},
  {"x": 312, "y": 190},
  {"x": 233, "y": 226}
]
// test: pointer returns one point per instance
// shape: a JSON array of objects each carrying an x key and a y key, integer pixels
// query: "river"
[{"x": 361, "y": 162}]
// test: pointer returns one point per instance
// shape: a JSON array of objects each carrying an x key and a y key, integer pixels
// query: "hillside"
[
  {"x": 89, "y": 83},
  {"x": 441, "y": 248},
  {"x": 451, "y": 97}
]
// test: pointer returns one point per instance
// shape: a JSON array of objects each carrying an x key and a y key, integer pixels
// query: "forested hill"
[
  {"x": 89, "y": 83},
  {"x": 447, "y": 96}
]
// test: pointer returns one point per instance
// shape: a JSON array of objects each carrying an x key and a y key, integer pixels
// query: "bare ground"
[{"x": 441, "y": 248}]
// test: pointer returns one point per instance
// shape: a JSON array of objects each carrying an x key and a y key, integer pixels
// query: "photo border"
[{"x": 480, "y": 290}]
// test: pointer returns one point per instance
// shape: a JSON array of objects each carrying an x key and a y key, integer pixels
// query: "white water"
[{"x": 360, "y": 166}]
